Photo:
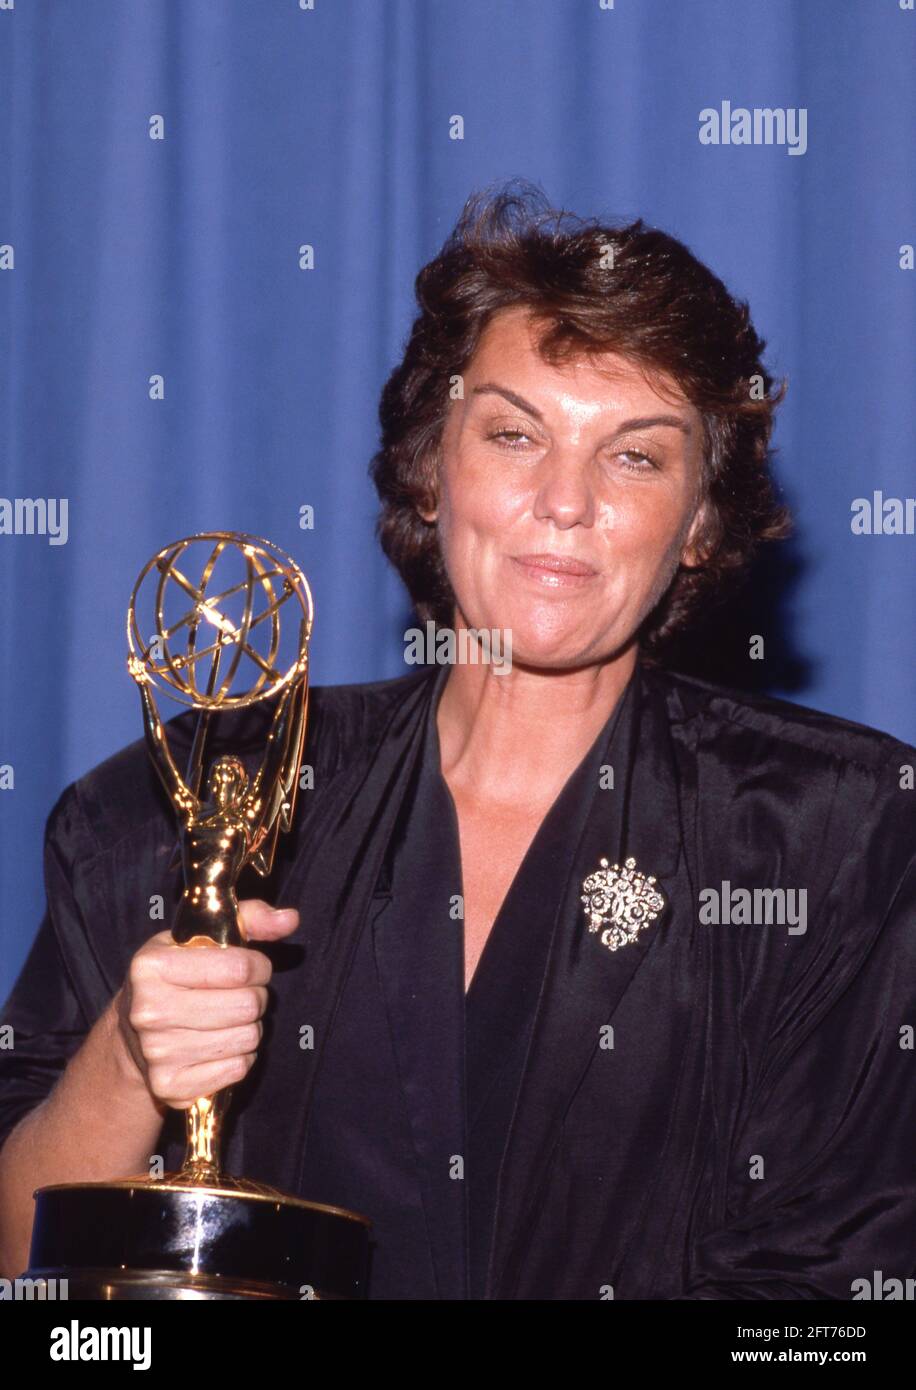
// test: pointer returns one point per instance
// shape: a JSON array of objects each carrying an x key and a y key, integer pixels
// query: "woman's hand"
[{"x": 189, "y": 1018}]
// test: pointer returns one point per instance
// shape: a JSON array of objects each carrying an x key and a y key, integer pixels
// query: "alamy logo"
[
  {"x": 883, "y": 1289},
  {"x": 758, "y": 125},
  {"x": 469, "y": 646},
  {"x": 883, "y": 516},
  {"x": 35, "y": 516},
  {"x": 75, "y": 1343},
  {"x": 759, "y": 907},
  {"x": 25, "y": 1290}
]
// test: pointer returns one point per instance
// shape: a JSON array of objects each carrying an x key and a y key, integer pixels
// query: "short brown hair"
[{"x": 629, "y": 289}]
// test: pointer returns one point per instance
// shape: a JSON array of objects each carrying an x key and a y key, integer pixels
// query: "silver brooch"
[{"x": 620, "y": 903}]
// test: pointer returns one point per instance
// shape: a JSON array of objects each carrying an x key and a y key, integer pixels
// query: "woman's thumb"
[{"x": 261, "y": 922}]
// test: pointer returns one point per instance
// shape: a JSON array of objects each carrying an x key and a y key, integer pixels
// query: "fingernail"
[{"x": 283, "y": 914}]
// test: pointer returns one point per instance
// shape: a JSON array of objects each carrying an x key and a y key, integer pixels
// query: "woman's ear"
[{"x": 692, "y": 555}]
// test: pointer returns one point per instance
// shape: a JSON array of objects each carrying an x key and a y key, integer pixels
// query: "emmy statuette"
[{"x": 201, "y": 1233}]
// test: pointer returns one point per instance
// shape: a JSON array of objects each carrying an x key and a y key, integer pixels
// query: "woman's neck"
[{"x": 515, "y": 738}]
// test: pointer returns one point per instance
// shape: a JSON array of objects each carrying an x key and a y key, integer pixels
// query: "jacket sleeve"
[
  {"x": 822, "y": 1173},
  {"x": 48, "y": 1014}
]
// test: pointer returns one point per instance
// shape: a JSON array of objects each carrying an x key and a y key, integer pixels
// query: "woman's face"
[{"x": 567, "y": 497}]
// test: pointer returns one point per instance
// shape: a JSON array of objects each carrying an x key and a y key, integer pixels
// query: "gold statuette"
[{"x": 211, "y": 627}]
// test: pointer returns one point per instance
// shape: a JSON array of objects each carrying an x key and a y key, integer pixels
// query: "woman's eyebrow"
[
  {"x": 638, "y": 422},
  {"x": 644, "y": 422},
  {"x": 490, "y": 387}
]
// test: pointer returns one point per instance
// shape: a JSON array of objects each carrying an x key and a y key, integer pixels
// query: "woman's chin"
[{"x": 557, "y": 650}]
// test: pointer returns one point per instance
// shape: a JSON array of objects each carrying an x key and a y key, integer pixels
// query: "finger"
[
  {"x": 201, "y": 1012},
  {"x": 220, "y": 967},
  {"x": 265, "y": 923},
  {"x": 190, "y": 1046},
  {"x": 180, "y": 1087}
]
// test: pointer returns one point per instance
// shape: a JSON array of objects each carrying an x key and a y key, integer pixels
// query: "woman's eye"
[
  {"x": 636, "y": 461},
  {"x": 509, "y": 436}
]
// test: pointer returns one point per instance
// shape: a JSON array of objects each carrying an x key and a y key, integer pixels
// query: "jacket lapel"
[
  {"x": 584, "y": 981},
  {"x": 340, "y": 847},
  {"x": 419, "y": 958}
]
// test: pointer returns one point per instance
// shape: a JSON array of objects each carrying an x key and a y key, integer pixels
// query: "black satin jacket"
[{"x": 718, "y": 1109}]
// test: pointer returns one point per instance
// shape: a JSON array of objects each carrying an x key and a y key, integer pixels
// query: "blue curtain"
[{"x": 287, "y": 124}]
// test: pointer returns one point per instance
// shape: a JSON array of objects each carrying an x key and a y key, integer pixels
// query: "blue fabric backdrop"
[{"x": 287, "y": 124}]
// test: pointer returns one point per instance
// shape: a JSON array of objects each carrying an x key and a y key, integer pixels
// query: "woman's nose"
[{"x": 564, "y": 492}]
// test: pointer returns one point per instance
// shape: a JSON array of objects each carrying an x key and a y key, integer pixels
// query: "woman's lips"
[{"x": 555, "y": 571}]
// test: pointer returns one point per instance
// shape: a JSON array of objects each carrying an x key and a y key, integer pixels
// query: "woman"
[{"x": 597, "y": 979}]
